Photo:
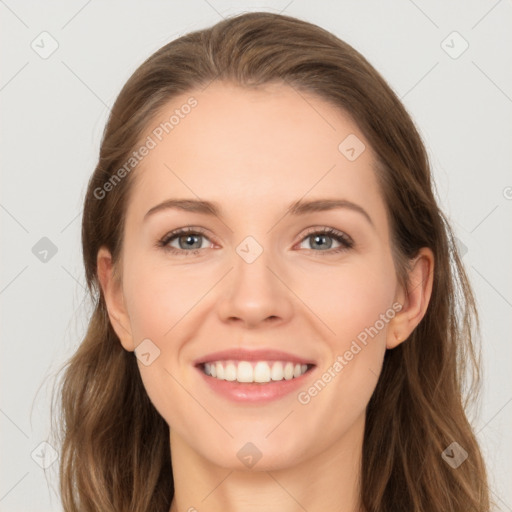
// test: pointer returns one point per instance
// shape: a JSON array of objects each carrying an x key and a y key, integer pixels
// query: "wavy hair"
[{"x": 115, "y": 451}]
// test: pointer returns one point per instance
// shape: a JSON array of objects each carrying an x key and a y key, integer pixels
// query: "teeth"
[
  {"x": 230, "y": 372},
  {"x": 288, "y": 371},
  {"x": 256, "y": 371},
  {"x": 277, "y": 371},
  {"x": 219, "y": 370},
  {"x": 261, "y": 372},
  {"x": 244, "y": 372}
]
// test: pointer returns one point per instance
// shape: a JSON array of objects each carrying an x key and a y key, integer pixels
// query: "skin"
[{"x": 254, "y": 152}]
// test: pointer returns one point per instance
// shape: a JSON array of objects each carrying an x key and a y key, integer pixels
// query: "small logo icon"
[
  {"x": 249, "y": 454},
  {"x": 249, "y": 249},
  {"x": 44, "y": 250},
  {"x": 44, "y": 455},
  {"x": 44, "y": 45},
  {"x": 454, "y": 455},
  {"x": 146, "y": 352},
  {"x": 351, "y": 147},
  {"x": 454, "y": 45}
]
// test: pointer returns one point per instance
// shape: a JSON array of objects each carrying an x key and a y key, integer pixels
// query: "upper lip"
[{"x": 241, "y": 354}]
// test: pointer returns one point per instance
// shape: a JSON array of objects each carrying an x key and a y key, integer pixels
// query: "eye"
[
  {"x": 319, "y": 238},
  {"x": 189, "y": 241}
]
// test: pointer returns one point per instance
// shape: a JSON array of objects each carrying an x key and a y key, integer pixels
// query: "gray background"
[{"x": 53, "y": 111}]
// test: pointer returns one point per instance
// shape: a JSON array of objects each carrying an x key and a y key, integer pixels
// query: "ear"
[
  {"x": 113, "y": 293},
  {"x": 414, "y": 299}
]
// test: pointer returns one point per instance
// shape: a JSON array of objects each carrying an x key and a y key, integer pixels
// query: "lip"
[
  {"x": 253, "y": 392},
  {"x": 241, "y": 354}
]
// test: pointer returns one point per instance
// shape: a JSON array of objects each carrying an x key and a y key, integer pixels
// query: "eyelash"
[{"x": 345, "y": 241}]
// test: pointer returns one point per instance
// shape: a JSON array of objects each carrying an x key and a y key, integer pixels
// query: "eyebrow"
[{"x": 296, "y": 208}]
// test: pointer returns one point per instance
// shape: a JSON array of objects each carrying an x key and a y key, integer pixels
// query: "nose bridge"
[{"x": 254, "y": 292}]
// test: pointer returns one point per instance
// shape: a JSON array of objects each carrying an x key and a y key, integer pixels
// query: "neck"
[{"x": 328, "y": 481}]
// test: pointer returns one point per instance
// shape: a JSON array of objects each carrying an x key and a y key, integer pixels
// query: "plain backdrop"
[{"x": 62, "y": 66}]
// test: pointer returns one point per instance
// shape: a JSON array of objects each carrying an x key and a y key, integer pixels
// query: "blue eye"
[
  {"x": 190, "y": 241},
  {"x": 186, "y": 238},
  {"x": 318, "y": 238}
]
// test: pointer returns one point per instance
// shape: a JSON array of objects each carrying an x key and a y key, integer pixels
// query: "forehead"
[{"x": 253, "y": 148}]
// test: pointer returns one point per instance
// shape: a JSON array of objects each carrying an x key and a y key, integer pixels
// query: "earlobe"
[
  {"x": 414, "y": 300},
  {"x": 113, "y": 295}
]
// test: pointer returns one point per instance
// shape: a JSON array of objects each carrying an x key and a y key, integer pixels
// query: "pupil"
[
  {"x": 189, "y": 241},
  {"x": 322, "y": 237}
]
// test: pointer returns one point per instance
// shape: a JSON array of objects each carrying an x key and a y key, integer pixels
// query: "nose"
[{"x": 255, "y": 294}]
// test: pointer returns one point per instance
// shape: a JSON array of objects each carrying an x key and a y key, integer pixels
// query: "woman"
[{"x": 236, "y": 359}]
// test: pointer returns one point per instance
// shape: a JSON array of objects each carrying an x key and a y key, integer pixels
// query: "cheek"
[
  {"x": 159, "y": 297},
  {"x": 356, "y": 305},
  {"x": 158, "y": 300},
  {"x": 363, "y": 305},
  {"x": 351, "y": 298}
]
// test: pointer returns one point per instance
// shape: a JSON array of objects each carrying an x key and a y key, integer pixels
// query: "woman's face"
[{"x": 258, "y": 277}]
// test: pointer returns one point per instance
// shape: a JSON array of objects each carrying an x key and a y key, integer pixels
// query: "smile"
[{"x": 254, "y": 371}]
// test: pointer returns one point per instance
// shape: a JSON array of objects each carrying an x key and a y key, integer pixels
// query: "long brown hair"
[{"x": 115, "y": 452}]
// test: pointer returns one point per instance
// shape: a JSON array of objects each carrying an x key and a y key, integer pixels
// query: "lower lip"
[{"x": 255, "y": 392}]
